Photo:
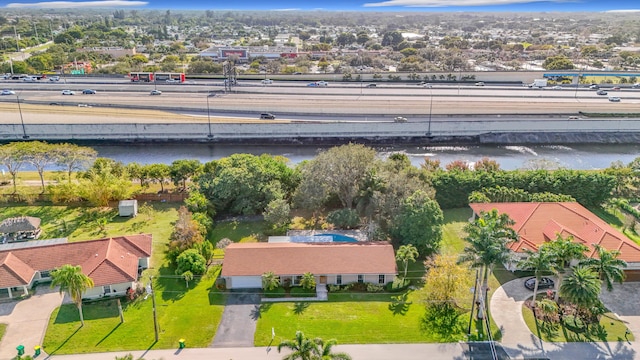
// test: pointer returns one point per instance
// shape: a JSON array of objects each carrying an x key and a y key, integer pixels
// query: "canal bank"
[{"x": 499, "y": 130}]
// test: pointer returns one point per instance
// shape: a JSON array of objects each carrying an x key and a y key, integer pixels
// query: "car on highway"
[
  {"x": 371, "y": 85},
  {"x": 614, "y": 99},
  {"x": 480, "y": 83},
  {"x": 400, "y": 119},
  {"x": 320, "y": 84},
  {"x": 29, "y": 79},
  {"x": 557, "y": 87},
  {"x": 545, "y": 283},
  {"x": 594, "y": 86},
  {"x": 297, "y": 73},
  {"x": 635, "y": 86},
  {"x": 268, "y": 116},
  {"x": 7, "y": 92},
  {"x": 574, "y": 117},
  {"x": 601, "y": 92},
  {"x": 88, "y": 92},
  {"x": 54, "y": 78},
  {"x": 68, "y": 92},
  {"x": 172, "y": 81},
  {"x": 267, "y": 82},
  {"x": 615, "y": 88},
  {"x": 155, "y": 92}
]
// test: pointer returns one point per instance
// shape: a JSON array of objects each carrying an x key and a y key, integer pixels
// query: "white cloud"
[
  {"x": 78, "y": 4},
  {"x": 292, "y": 9},
  {"x": 623, "y": 11},
  {"x": 447, "y": 3}
]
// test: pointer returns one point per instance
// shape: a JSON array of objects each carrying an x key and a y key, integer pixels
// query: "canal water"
[{"x": 509, "y": 157}]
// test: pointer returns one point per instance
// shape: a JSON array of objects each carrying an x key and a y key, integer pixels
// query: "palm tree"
[
  {"x": 564, "y": 251},
  {"x": 270, "y": 280},
  {"x": 539, "y": 261},
  {"x": 607, "y": 266},
  {"x": 72, "y": 280},
  {"x": 488, "y": 237},
  {"x": 301, "y": 347},
  {"x": 324, "y": 351},
  {"x": 405, "y": 254},
  {"x": 582, "y": 288},
  {"x": 308, "y": 281}
]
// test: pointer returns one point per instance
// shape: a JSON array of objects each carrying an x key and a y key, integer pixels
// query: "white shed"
[{"x": 128, "y": 207}]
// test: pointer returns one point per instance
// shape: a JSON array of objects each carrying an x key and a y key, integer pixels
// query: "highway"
[{"x": 290, "y": 100}]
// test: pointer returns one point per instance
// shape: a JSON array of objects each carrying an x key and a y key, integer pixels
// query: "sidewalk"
[{"x": 357, "y": 352}]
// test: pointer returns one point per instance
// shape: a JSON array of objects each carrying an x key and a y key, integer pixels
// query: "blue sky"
[{"x": 352, "y": 5}]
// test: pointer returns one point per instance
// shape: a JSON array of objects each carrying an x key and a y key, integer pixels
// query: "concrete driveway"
[
  {"x": 238, "y": 324},
  {"x": 623, "y": 301},
  {"x": 27, "y": 321}
]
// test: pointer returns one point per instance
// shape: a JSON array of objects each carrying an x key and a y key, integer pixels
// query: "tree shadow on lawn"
[
  {"x": 443, "y": 320},
  {"x": 399, "y": 304},
  {"x": 299, "y": 307},
  {"x": 91, "y": 311},
  {"x": 64, "y": 342},
  {"x": 258, "y": 310},
  {"x": 170, "y": 285},
  {"x": 108, "y": 334}
]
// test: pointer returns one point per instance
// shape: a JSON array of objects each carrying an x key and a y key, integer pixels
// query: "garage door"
[{"x": 246, "y": 282}]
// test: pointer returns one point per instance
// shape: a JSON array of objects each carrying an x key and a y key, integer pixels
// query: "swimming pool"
[{"x": 339, "y": 237}]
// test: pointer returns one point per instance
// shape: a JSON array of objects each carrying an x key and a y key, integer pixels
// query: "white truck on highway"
[{"x": 538, "y": 83}]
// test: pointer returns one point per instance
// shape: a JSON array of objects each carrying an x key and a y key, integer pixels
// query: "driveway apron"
[
  {"x": 238, "y": 324},
  {"x": 27, "y": 321}
]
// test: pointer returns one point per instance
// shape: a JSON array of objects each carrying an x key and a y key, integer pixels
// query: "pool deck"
[{"x": 356, "y": 234}]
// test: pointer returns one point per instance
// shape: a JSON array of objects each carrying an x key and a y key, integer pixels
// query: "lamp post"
[
  {"x": 209, "y": 118},
  {"x": 430, "y": 111},
  {"x": 24, "y": 130}
]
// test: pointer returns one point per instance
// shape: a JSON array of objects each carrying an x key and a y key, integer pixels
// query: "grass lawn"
[
  {"x": 3, "y": 330},
  {"x": 193, "y": 315},
  {"x": 610, "y": 328},
  {"x": 238, "y": 231}
]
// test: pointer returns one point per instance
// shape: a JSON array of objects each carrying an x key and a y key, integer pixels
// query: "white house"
[{"x": 330, "y": 263}]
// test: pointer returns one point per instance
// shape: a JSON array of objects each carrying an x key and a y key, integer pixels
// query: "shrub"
[
  {"x": 344, "y": 218},
  {"x": 334, "y": 288},
  {"x": 374, "y": 287},
  {"x": 397, "y": 285},
  {"x": 356, "y": 286},
  {"x": 301, "y": 292},
  {"x": 278, "y": 292}
]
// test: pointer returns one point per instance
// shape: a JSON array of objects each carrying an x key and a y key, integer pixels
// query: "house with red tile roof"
[
  {"x": 330, "y": 263},
  {"x": 112, "y": 263},
  {"x": 537, "y": 223}
]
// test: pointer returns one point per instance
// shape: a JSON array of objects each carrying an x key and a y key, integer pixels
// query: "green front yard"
[
  {"x": 192, "y": 314},
  {"x": 610, "y": 328}
]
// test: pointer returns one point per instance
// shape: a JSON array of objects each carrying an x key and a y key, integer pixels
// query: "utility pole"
[
  {"x": 155, "y": 313},
  {"x": 24, "y": 129},
  {"x": 15, "y": 32},
  {"x": 430, "y": 111},
  {"x": 35, "y": 28},
  {"x": 209, "y": 118}
]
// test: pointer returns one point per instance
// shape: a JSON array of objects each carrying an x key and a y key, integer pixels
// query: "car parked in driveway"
[
  {"x": 88, "y": 92},
  {"x": 545, "y": 283},
  {"x": 7, "y": 92},
  {"x": 68, "y": 92}
]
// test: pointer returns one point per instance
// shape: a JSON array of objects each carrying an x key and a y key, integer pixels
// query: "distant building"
[
  {"x": 115, "y": 52},
  {"x": 244, "y": 53}
]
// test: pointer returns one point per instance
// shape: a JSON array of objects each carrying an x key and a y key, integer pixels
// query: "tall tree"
[
  {"x": 405, "y": 254},
  {"x": 538, "y": 261},
  {"x": 13, "y": 157},
  {"x": 182, "y": 170},
  {"x": 447, "y": 281},
  {"x": 308, "y": 281},
  {"x": 73, "y": 281},
  {"x": 564, "y": 251},
  {"x": 419, "y": 223},
  {"x": 40, "y": 155},
  {"x": 488, "y": 237},
  {"x": 302, "y": 348},
  {"x": 74, "y": 157},
  {"x": 606, "y": 265},
  {"x": 159, "y": 173},
  {"x": 338, "y": 171}
]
